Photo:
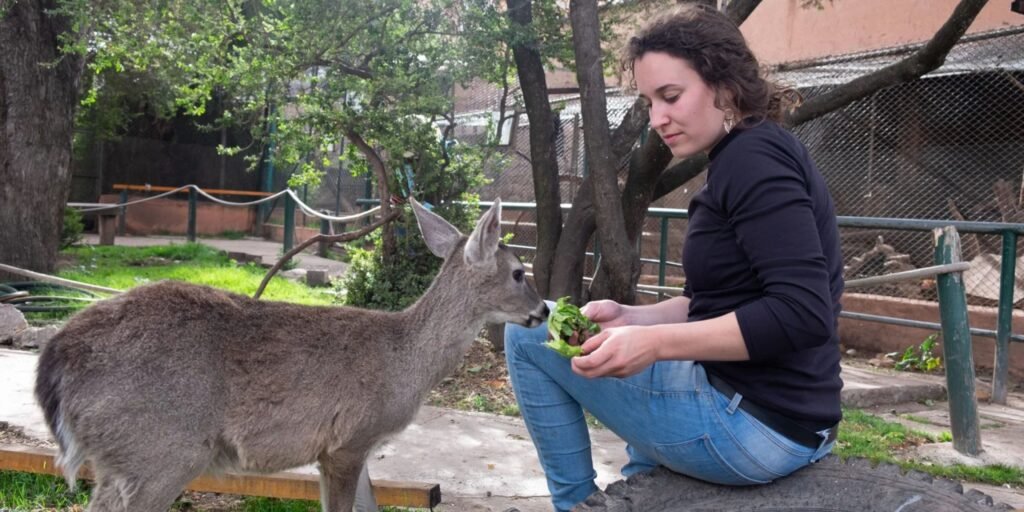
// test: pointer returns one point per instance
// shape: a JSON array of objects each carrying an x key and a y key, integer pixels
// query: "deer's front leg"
[{"x": 344, "y": 481}]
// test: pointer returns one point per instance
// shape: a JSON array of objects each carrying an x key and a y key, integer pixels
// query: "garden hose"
[{"x": 19, "y": 295}]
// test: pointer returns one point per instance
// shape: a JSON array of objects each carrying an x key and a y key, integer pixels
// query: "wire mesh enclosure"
[{"x": 947, "y": 146}]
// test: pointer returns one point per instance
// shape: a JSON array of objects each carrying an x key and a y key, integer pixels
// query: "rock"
[
  {"x": 295, "y": 273},
  {"x": 12, "y": 323},
  {"x": 851, "y": 352},
  {"x": 242, "y": 258},
  {"x": 35, "y": 337},
  {"x": 317, "y": 277}
]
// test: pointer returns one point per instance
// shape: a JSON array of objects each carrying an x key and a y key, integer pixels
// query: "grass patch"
[
  {"x": 127, "y": 267},
  {"x": 27, "y": 491},
  {"x": 870, "y": 437},
  {"x": 916, "y": 419},
  {"x": 864, "y": 435},
  {"x": 31, "y": 492}
]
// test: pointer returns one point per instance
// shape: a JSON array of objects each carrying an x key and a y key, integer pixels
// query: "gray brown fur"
[{"x": 169, "y": 380}]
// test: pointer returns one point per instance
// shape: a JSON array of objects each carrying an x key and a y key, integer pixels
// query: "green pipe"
[
  {"x": 192, "y": 197},
  {"x": 1004, "y": 324},
  {"x": 121, "y": 223},
  {"x": 289, "y": 222},
  {"x": 662, "y": 255},
  {"x": 956, "y": 346},
  {"x": 325, "y": 229},
  {"x": 889, "y": 320}
]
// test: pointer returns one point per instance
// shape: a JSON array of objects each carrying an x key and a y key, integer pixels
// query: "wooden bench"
[
  {"x": 106, "y": 220},
  {"x": 286, "y": 485}
]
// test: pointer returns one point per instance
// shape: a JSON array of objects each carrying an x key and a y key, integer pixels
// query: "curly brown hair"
[{"x": 714, "y": 46}]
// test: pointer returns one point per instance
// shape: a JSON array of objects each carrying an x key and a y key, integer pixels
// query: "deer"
[{"x": 167, "y": 381}]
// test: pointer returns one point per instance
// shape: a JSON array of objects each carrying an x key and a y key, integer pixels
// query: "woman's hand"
[
  {"x": 615, "y": 352},
  {"x": 607, "y": 313}
]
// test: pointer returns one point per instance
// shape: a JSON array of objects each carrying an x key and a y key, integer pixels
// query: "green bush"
[
  {"x": 375, "y": 282},
  {"x": 71, "y": 232}
]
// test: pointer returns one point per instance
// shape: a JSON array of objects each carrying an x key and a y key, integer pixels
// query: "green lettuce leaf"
[{"x": 564, "y": 321}]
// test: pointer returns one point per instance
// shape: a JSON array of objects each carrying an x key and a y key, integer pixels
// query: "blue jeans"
[{"x": 668, "y": 415}]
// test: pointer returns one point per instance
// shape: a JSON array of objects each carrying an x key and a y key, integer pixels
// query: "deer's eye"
[{"x": 518, "y": 275}]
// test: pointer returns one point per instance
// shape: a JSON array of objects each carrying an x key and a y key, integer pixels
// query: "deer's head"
[{"x": 486, "y": 269}]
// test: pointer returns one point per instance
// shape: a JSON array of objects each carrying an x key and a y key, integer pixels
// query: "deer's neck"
[{"x": 441, "y": 326}]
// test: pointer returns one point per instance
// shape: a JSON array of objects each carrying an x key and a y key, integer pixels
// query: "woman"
[{"x": 737, "y": 381}]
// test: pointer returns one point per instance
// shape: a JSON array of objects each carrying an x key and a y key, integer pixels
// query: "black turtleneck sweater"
[{"x": 762, "y": 241}]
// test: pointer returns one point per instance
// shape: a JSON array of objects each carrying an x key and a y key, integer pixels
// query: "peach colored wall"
[
  {"x": 782, "y": 31},
  {"x": 170, "y": 216},
  {"x": 873, "y": 337}
]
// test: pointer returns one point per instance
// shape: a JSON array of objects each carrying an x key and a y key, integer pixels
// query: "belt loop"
[{"x": 734, "y": 403}]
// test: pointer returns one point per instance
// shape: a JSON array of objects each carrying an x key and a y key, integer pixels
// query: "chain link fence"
[{"x": 947, "y": 146}]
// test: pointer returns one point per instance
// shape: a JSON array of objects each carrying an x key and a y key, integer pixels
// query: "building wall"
[{"x": 782, "y": 31}]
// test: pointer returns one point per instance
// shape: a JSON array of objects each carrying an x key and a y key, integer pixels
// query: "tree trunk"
[
  {"x": 645, "y": 167},
  {"x": 38, "y": 97},
  {"x": 543, "y": 154},
  {"x": 380, "y": 171},
  {"x": 618, "y": 256}
]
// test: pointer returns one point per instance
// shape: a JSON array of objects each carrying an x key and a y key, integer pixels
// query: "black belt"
[{"x": 775, "y": 421}]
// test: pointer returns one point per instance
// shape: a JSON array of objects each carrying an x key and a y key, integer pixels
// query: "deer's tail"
[{"x": 49, "y": 394}]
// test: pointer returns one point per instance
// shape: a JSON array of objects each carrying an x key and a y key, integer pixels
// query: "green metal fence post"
[
  {"x": 956, "y": 346},
  {"x": 325, "y": 229},
  {"x": 367, "y": 193},
  {"x": 1004, "y": 325},
  {"x": 192, "y": 198},
  {"x": 289, "y": 222},
  {"x": 124, "y": 213},
  {"x": 662, "y": 256}
]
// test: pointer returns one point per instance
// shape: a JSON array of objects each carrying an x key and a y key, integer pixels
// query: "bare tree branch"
[
  {"x": 342, "y": 237},
  {"x": 927, "y": 59},
  {"x": 739, "y": 10}
]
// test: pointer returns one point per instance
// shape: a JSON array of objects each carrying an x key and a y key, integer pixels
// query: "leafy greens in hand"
[{"x": 564, "y": 321}]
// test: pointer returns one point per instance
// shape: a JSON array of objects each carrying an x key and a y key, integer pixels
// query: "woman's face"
[{"x": 682, "y": 106}]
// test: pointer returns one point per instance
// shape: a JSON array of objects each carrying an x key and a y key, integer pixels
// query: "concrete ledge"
[{"x": 866, "y": 388}]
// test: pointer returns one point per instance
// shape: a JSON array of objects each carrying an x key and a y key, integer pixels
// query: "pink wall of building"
[{"x": 782, "y": 31}]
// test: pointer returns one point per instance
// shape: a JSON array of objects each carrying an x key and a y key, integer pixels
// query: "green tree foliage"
[{"x": 375, "y": 78}]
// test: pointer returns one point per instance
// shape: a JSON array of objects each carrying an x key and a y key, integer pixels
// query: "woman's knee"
[{"x": 516, "y": 336}]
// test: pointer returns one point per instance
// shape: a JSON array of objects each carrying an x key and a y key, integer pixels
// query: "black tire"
[{"x": 854, "y": 485}]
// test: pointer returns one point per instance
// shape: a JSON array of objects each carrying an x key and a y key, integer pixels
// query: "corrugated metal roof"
[{"x": 995, "y": 50}]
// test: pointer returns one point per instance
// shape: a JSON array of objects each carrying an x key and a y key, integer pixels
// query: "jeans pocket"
[{"x": 698, "y": 458}]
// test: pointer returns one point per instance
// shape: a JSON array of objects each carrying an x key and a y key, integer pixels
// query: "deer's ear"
[
  {"x": 440, "y": 236},
  {"x": 483, "y": 243}
]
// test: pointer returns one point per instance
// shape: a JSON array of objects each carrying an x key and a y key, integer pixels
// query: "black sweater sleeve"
[{"x": 763, "y": 189}]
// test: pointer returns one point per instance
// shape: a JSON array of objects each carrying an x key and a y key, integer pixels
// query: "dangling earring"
[{"x": 730, "y": 121}]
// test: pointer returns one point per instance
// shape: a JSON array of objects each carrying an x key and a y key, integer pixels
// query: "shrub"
[
  {"x": 375, "y": 282},
  {"x": 71, "y": 232}
]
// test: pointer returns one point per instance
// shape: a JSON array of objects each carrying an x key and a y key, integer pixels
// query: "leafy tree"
[
  {"x": 302, "y": 75},
  {"x": 558, "y": 265}
]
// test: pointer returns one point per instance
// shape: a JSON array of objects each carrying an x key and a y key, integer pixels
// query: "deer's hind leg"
[
  {"x": 342, "y": 477},
  {"x": 148, "y": 481}
]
